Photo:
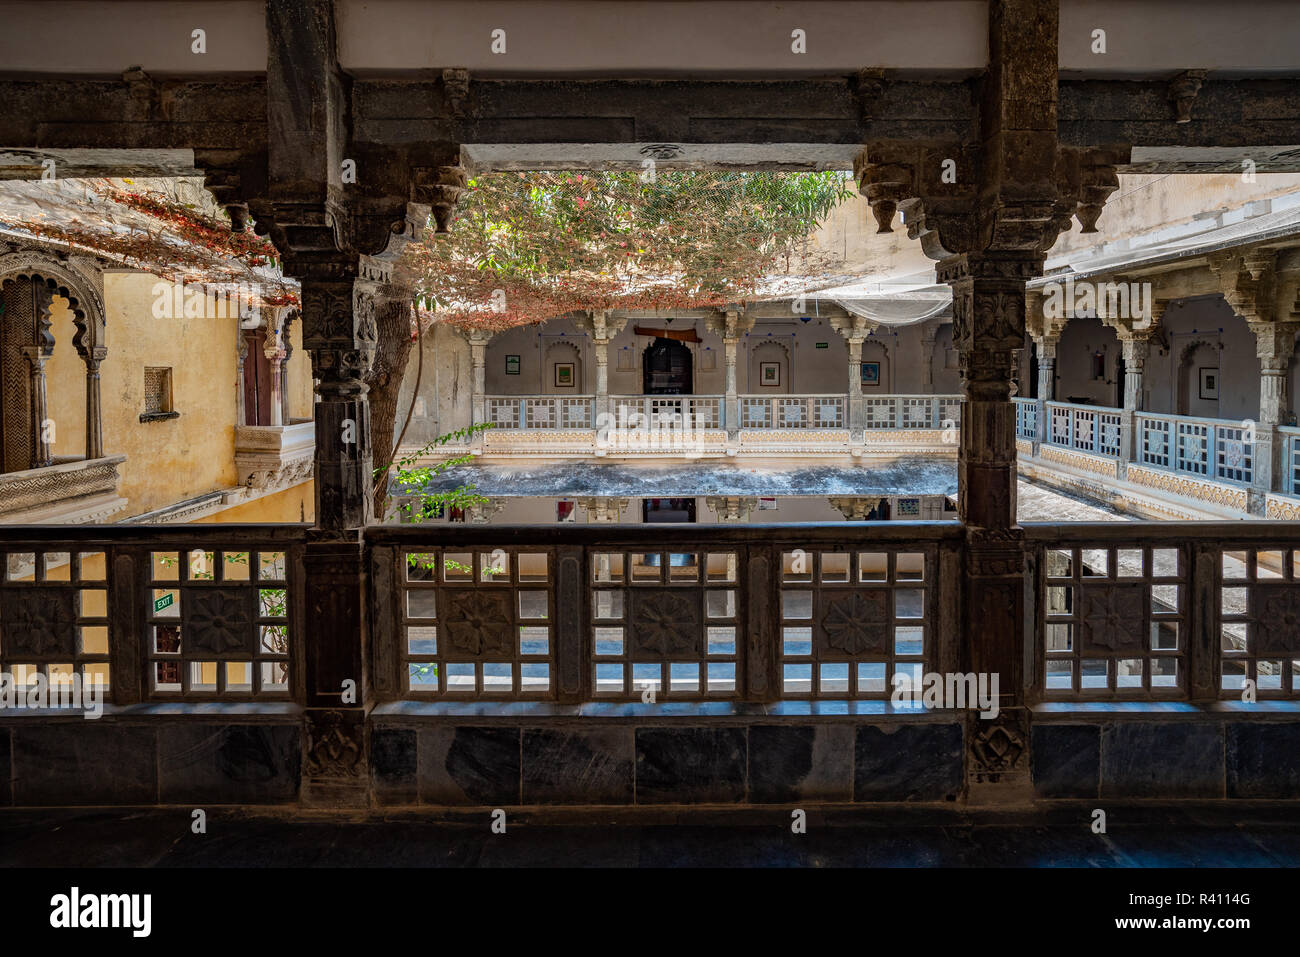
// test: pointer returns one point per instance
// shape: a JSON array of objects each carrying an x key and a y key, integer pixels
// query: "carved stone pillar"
[
  {"x": 602, "y": 509},
  {"x": 480, "y": 513},
  {"x": 855, "y": 329},
  {"x": 241, "y": 353},
  {"x": 339, "y": 331},
  {"x": 1046, "y": 346},
  {"x": 94, "y": 406},
  {"x": 478, "y": 340},
  {"x": 275, "y": 355},
  {"x": 731, "y": 325},
  {"x": 602, "y": 327},
  {"x": 854, "y": 508},
  {"x": 1135, "y": 352},
  {"x": 732, "y": 509},
  {"x": 1274, "y": 345},
  {"x": 41, "y": 455}
]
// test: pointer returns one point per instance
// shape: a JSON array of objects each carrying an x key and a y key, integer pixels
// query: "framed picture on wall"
[
  {"x": 564, "y": 375},
  {"x": 512, "y": 365},
  {"x": 1209, "y": 382},
  {"x": 871, "y": 373},
  {"x": 769, "y": 374}
]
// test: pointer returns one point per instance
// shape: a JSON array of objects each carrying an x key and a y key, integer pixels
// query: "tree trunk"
[{"x": 392, "y": 352}]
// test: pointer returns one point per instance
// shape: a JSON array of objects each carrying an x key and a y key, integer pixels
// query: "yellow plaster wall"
[
  {"x": 170, "y": 460},
  {"x": 298, "y": 377},
  {"x": 174, "y": 459}
]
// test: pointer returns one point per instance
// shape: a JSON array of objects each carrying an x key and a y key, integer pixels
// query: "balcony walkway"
[{"x": 1183, "y": 836}]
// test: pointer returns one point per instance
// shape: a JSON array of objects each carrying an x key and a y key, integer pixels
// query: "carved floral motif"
[
  {"x": 217, "y": 621},
  {"x": 665, "y": 623},
  {"x": 478, "y": 623},
  {"x": 857, "y": 622},
  {"x": 1277, "y": 625},
  {"x": 39, "y": 622},
  {"x": 1113, "y": 618}
]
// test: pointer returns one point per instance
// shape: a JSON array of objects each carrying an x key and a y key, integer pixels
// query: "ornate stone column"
[
  {"x": 275, "y": 354},
  {"x": 602, "y": 327},
  {"x": 731, "y": 325},
  {"x": 1013, "y": 190},
  {"x": 94, "y": 407},
  {"x": 241, "y": 353},
  {"x": 1250, "y": 284},
  {"x": 1274, "y": 345},
  {"x": 1135, "y": 348},
  {"x": 36, "y": 357},
  {"x": 603, "y": 509},
  {"x": 929, "y": 335},
  {"x": 854, "y": 329},
  {"x": 478, "y": 340},
  {"x": 732, "y": 509}
]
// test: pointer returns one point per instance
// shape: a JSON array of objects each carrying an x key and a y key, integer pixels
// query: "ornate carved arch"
[{"x": 64, "y": 279}]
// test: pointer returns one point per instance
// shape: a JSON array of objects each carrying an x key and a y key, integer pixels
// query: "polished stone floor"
[{"x": 1186, "y": 836}]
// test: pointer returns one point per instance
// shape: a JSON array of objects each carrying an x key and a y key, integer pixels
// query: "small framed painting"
[
  {"x": 769, "y": 374},
  {"x": 512, "y": 365},
  {"x": 1209, "y": 383},
  {"x": 564, "y": 375},
  {"x": 871, "y": 373}
]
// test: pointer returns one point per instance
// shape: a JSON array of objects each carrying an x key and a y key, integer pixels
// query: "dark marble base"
[
  {"x": 229, "y": 764},
  {"x": 910, "y": 762}
]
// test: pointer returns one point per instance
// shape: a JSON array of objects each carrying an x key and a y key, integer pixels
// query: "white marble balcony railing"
[
  {"x": 1291, "y": 477},
  {"x": 71, "y": 492},
  {"x": 912, "y": 411},
  {"x": 274, "y": 456},
  {"x": 793, "y": 412},
  {"x": 1084, "y": 428},
  {"x": 668, "y": 411},
  {"x": 541, "y": 411},
  {"x": 1207, "y": 448}
]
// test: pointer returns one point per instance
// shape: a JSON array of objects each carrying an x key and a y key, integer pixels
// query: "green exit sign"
[
  {"x": 164, "y": 602},
  {"x": 823, "y": 345}
]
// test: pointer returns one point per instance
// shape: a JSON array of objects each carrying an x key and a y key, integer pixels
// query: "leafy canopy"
[{"x": 529, "y": 246}]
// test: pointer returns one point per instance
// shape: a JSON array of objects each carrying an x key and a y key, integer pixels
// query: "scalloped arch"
[{"x": 83, "y": 299}]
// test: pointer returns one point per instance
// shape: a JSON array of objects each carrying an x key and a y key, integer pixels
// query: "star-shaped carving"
[
  {"x": 1113, "y": 618},
  {"x": 478, "y": 623},
  {"x": 857, "y": 623},
  {"x": 39, "y": 622},
  {"x": 216, "y": 620},
  {"x": 1278, "y": 621},
  {"x": 665, "y": 623}
]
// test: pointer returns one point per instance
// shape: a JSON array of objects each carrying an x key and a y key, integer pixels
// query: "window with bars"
[
  {"x": 851, "y": 621},
  {"x": 478, "y": 624},
  {"x": 54, "y": 617},
  {"x": 1114, "y": 622},
  {"x": 218, "y": 624},
  {"x": 665, "y": 622},
  {"x": 1260, "y": 622}
]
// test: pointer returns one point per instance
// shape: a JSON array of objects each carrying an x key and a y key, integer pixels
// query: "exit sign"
[
  {"x": 823, "y": 345},
  {"x": 164, "y": 602}
]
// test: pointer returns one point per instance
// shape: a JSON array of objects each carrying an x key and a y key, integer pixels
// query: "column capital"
[
  {"x": 730, "y": 324},
  {"x": 603, "y": 509},
  {"x": 732, "y": 508},
  {"x": 601, "y": 324}
]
